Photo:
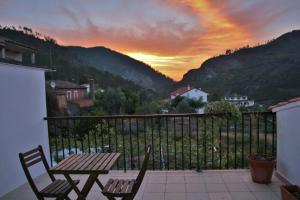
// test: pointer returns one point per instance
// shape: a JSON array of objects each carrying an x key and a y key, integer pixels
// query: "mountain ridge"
[{"x": 268, "y": 73}]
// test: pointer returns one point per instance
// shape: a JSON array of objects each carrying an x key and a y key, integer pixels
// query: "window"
[
  {"x": 69, "y": 95},
  {"x": 75, "y": 94}
]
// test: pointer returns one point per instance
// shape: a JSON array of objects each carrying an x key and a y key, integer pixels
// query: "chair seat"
[
  {"x": 118, "y": 187},
  {"x": 57, "y": 188}
]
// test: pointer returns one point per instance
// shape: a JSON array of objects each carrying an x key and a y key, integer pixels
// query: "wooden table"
[{"x": 92, "y": 164}]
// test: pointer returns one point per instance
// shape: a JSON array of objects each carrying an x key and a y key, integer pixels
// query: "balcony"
[
  {"x": 191, "y": 185},
  {"x": 195, "y": 156}
]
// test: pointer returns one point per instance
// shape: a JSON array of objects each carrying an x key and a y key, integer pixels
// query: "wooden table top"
[{"x": 86, "y": 163}]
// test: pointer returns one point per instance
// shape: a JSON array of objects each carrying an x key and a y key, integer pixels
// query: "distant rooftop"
[
  {"x": 284, "y": 103},
  {"x": 66, "y": 85}
]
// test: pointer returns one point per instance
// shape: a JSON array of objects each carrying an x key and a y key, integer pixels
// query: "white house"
[
  {"x": 23, "y": 108},
  {"x": 190, "y": 92},
  {"x": 288, "y": 139},
  {"x": 240, "y": 101}
]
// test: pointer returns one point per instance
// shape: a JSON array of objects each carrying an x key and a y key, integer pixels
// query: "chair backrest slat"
[
  {"x": 32, "y": 151},
  {"x": 32, "y": 157},
  {"x": 33, "y": 162},
  {"x": 142, "y": 172}
]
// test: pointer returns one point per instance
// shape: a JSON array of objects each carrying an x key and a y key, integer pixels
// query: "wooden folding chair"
[
  {"x": 126, "y": 189},
  {"x": 58, "y": 189}
]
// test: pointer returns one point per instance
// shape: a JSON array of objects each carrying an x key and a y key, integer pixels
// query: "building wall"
[
  {"x": 61, "y": 102},
  {"x": 288, "y": 142},
  {"x": 82, "y": 93},
  {"x": 13, "y": 55},
  {"x": 22, "y": 127},
  {"x": 196, "y": 94}
]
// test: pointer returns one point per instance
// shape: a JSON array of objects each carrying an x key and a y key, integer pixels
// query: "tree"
[
  {"x": 228, "y": 51},
  {"x": 130, "y": 101},
  {"x": 110, "y": 101},
  {"x": 196, "y": 103},
  {"x": 153, "y": 107},
  {"x": 184, "y": 107},
  {"x": 176, "y": 101},
  {"x": 223, "y": 107}
]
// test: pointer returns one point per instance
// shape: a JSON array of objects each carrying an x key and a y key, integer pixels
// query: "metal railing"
[{"x": 179, "y": 141}]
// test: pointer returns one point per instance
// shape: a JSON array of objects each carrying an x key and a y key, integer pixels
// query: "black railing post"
[
  {"x": 204, "y": 144},
  {"x": 182, "y": 145},
  {"x": 220, "y": 148},
  {"x": 250, "y": 134},
  {"x": 227, "y": 139},
  {"x": 116, "y": 141},
  {"x": 197, "y": 143},
  {"x": 175, "y": 166},
  {"x": 243, "y": 141},
  {"x": 152, "y": 143},
  {"x": 130, "y": 141},
  {"x": 235, "y": 149},
  {"x": 138, "y": 142},
  {"x": 124, "y": 152},
  {"x": 50, "y": 143},
  {"x": 167, "y": 132},
  {"x": 273, "y": 134},
  {"x": 159, "y": 142},
  {"x": 266, "y": 131},
  {"x": 190, "y": 143},
  {"x": 212, "y": 142}
]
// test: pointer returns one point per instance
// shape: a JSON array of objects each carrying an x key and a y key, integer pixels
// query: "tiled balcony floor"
[{"x": 181, "y": 185}]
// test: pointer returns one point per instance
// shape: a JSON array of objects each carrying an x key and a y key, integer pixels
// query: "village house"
[
  {"x": 240, "y": 101},
  {"x": 191, "y": 93},
  {"x": 71, "y": 93},
  {"x": 12, "y": 51}
]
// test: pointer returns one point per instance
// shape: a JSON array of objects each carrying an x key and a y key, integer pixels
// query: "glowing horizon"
[{"x": 173, "y": 36}]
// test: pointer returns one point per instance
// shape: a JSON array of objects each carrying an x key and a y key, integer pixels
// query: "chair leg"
[
  {"x": 60, "y": 198},
  {"x": 127, "y": 198},
  {"x": 110, "y": 198}
]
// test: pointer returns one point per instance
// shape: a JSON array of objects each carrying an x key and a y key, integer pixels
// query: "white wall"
[
  {"x": 288, "y": 141},
  {"x": 22, "y": 109},
  {"x": 196, "y": 94}
]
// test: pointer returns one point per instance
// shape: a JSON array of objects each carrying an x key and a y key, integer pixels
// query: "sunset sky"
[{"x": 172, "y": 36}]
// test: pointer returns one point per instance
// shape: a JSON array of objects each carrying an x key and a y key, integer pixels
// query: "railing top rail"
[{"x": 152, "y": 116}]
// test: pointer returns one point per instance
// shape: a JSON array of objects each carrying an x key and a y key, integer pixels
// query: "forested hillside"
[{"x": 267, "y": 73}]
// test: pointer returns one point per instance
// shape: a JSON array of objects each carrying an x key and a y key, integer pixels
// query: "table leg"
[
  {"x": 88, "y": 185},
  {"x": 73, "y": 185},
  {"x": 99, "y": 184},
  {"x": 86, "y": 188}
]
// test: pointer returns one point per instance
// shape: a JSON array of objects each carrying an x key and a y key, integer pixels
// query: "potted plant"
[
  {"x": 261, "y": 168},
  {"x": 290, "y": 192}
]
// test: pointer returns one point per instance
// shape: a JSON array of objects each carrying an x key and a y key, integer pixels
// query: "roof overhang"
[
  {"x": 286, "y": 105},
  {"x": 26, "y": 67},
  {"x": 15, "y": 46}
]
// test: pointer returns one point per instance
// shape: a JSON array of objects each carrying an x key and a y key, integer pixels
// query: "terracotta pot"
[
  {"x": 288, "y": 190},
  {"x": 261, "y": 167}
]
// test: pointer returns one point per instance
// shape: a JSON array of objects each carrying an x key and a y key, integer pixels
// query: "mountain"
[
  {"x": 111, "y": 61},
  {"x": 267, "y": 73},
  {"x": 106, "y": 61}
]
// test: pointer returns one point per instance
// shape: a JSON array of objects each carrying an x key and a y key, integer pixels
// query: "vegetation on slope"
[{"x": 267, "y": 73}]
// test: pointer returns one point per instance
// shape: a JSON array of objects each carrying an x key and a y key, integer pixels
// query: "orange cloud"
[{"x": 171, "y": 46}]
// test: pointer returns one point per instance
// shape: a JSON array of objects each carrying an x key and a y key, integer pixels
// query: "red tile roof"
[
  {"x": 297, "y": 99},
  {"x": 85, "y": 103},
  {"x": 181, "y": 90}
]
